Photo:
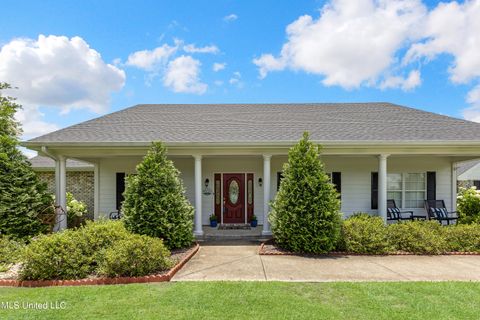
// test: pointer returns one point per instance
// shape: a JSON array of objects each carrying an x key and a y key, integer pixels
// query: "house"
[
  {"x": 79, "y": 177},
  {"x": 468, "y": 174},
  {"x": 231, "y": 156}
]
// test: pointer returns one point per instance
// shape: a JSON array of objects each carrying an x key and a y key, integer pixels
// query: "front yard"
[{"x": 245, "y": 300}]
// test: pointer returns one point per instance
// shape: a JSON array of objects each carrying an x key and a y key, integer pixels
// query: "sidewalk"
[{"x": 239, "y": 261}]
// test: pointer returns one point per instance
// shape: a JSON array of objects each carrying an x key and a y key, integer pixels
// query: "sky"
[{"x": 76, "y": 60}]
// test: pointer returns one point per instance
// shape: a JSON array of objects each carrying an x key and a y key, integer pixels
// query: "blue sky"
[{"x": 420, "y": 54}]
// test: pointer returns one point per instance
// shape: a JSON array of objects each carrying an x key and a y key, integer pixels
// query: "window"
[
  {"x": 394, "y": 188},
  {"x": 407, "y": 189},
  {"x": 415, "y": 189}
]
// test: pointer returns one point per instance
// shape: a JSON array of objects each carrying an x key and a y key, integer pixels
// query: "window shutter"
[
  {"x": 374, "y": 188},
  {"x": 279, "y": 179},
  {"x": 120, "y": 189},
  {"x": 431, "y": 185},
  {"x": 476, "y": 183},
  {"x": 337, "y": 181}
]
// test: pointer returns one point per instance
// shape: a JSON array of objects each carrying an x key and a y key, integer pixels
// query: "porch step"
[{"x": 232, "y": 233}]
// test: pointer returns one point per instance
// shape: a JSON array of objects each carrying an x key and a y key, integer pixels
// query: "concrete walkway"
[{"x": 239, "y": 261}]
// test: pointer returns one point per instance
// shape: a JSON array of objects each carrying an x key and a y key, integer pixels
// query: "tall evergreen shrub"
[
  {"x": 22, "y": 195},
  {"x": 305, "y": 213},
  {"x": 155, "y": 202}
]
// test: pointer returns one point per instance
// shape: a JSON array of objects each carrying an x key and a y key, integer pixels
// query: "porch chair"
[
  {"x": 115, "y": 215},
  {"x": 437, "y": 210},
  {"x": 394, "y": 213}
]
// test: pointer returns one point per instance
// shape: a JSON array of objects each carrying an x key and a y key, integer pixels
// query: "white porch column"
[
  {"x": 198, "y": 195},
  {"x": 454, "y": 187},
  {"x": 266, "y": 193},
  {"x": 382, "y": 186},
  {"x": 61, "y": 192}
]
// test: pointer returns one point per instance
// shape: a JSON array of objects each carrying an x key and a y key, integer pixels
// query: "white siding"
[{"x": 356, "y": 177}]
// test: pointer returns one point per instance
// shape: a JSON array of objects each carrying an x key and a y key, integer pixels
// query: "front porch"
[{"x": 399, "y": 174}]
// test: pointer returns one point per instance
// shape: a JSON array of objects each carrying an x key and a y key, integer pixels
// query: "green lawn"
[{"x": 260, "y": 300}]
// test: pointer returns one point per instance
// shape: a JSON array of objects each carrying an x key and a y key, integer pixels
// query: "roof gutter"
[{"x": 48, "y": 153}]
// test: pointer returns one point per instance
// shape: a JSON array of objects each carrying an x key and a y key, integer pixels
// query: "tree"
[
  {"x": 22, "y": 195},
  {"x": 155, "y": 202},
  {"x": 305, "y": 213}
]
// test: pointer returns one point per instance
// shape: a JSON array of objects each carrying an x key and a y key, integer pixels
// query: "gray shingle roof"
[
  {"x": 465, "y": 166},
  {"x": 46, "y": 162},
  {"x": 267, "y": 123}
]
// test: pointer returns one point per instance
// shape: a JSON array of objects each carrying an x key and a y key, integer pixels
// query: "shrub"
[
  {"x": 137, "y": 255},
  {"x": 468, "y": 205},
  {"x": 56, "y": 256},
  {"x": 23, "y": 196},
  {"x": 10, "y": 250},
  {"x": 155, "y": 202},
  {"x": 305, "y": 213},
  {"x": 98, "y": 235},
  {"x": 422, "y": 237},
  {"x": 75, "y": 210},
  {"x": 363, "y": 233},
  {"x": 77, "y": 253},
  {"x": 462, "y": 237}
]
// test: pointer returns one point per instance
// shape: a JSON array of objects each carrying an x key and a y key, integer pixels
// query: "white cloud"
[
  {"x": 32, "y": 121},
  {"x": 412, "y": 81},
  {"x": 473, "y": 98},
  {"x": 351, "y": 43},
  {"x": 217, "y": 66},
  {"x": 454, "y": 29},
  {"x": 150, "y": 59},
  {"x": 236, "y": 79},
  {"x": 231, "y": 17},
  {"x": 182, "y": 75},
  {"x": 191, "y": 48},
  {"x": 59, "y": 72}
]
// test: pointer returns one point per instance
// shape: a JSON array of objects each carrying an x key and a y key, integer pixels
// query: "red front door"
[{"x": 234, "y": 198}]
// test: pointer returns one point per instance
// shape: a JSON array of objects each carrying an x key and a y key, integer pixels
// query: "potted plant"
[
  {"x": 213, "y": 220},
  {"x": 253, "y": 221}
]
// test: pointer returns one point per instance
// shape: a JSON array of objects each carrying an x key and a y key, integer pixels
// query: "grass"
[{"x": 245, "y": 300}]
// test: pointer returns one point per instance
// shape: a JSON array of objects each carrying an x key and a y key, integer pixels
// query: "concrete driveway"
[{"x": 233, "y": 261}]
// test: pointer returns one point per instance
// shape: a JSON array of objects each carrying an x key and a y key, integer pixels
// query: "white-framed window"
[{"x": 409, "y": 190}]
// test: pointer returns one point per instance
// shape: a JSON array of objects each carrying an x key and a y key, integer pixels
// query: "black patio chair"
[
  {"x": 394, "y": 213},
  {"x": 437, "y": 210},
  {"x": 115, "y": 215}
]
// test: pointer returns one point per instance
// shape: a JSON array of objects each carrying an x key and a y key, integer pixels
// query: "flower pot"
[
  {"x": 253, "y": 223},
  {"x": 213, "y": 223}
]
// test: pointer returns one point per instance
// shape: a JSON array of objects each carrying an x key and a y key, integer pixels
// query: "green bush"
[
  {"x": 463, "y": 237},
  {"x": 98, "y": 235},
  {"x": 10, "y": 251},
  {"x": 22, "y": 196},
  {"x": 363, "y": 233},
  {"x": 305, "y": 213},
  {"x": 421, "y": 237},
  {"x": 138, "y": 255},
  {"x": 155, "y": 203},
  {"x": 76, "y": 253},
  {"x": 56, "y": 256},
  {"x": 468, "y": 205},
  {"x": 75, "y": 210}
]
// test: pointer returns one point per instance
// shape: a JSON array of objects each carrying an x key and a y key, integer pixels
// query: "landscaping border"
[
  {"x": 103, "y": 281},
  {"x": 263, "y": 252}
]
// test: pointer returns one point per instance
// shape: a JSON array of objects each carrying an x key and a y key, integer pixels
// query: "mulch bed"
[
  {"x": 269, "y": 248},
  {"x": 180, "y": 257}
]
